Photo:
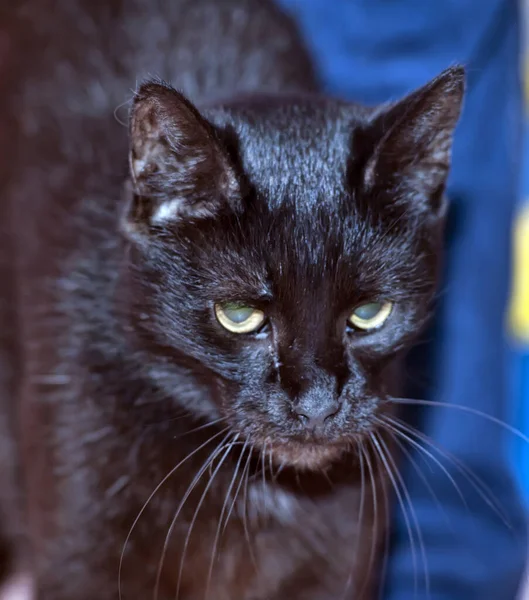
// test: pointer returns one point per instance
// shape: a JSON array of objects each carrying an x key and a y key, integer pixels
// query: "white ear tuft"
[{"x": 166, "y": 212}]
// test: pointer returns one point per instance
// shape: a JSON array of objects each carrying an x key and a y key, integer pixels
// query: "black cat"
[{"x": 206, "y": 342}]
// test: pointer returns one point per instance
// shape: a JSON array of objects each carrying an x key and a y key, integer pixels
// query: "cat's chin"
[{"x": 307, "y": 456}]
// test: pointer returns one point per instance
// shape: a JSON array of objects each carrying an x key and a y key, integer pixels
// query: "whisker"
[
  {"x": 221, "y": 517},
  {"x": 481, "y": 488},
  {"x": 412, "y": 511},
  {"x": 239, "y": 486},
  {"x": 270, "y": 461},
  {"x": 378, "y": 448},
  {"x": 199, "y": 428},
  {"x": 156, "y": 489},
  {"x": 360, "y": 521},
  {"x": 400, "y": 427},
  {"x": 195, "y": 515},
  {"x": 246, "y": 474},
  {"x": 385, "y": 553},
  {"x": 328, "y": 479},
  {"x": 279, "y": 470},
  {"x": 188, "y": 492},
  {"x": 115, "y": 113},
  {"x": 260, "y": 468},
  {"x": 263, "y": 465},
  {"x": 395, "y": 437},
  {"x": 178, "y": 417},
  {"x": 467, "y": 409},
  {"x": 374, "y": 538}
]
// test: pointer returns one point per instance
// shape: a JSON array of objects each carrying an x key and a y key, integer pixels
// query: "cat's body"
[{"x": 116, "y": 366}]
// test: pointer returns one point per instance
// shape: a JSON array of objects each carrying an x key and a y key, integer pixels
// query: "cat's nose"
[{"x": 314, "y": 414}]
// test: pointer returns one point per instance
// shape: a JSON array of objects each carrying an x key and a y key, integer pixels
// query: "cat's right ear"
[
  {"x": 411, "y": 159},
  {"x": 179, "y": 169}
]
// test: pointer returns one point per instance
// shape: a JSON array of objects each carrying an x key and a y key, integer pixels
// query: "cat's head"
[{"x": 284, "y": 251}]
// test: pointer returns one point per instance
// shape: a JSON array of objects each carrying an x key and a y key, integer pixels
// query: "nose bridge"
[
  {"x": 312, "y": 352},
  {"x": 318, "y": 384},
  {"x": 313, "y": 364}
]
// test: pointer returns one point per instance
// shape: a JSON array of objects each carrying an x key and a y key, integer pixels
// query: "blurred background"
[{"x": 519, "y": 310}]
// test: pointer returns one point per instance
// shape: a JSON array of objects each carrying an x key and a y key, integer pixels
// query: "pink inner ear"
[{"x": 19, "y": 587}]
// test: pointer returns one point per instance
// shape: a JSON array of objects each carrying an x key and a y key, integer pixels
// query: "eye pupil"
[
  {"x": 366, "y": 312},
  {"x": 237, "y": 313}
]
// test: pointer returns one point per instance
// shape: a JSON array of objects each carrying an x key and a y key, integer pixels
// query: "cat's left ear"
[
  {"x": 178, "y": 167},
  {"x": 411, "y": 160}
]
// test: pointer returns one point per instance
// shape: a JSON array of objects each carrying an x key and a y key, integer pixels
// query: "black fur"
[{"x": 249, "y": 187}]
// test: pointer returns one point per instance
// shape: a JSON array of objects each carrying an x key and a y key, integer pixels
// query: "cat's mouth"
[{"x": 307, "y": 455}]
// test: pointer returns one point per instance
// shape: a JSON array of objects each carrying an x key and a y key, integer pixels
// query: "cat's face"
[{"x": 284, "y": 253}]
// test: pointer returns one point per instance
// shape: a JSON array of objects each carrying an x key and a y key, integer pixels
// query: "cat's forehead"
[
  {"x": 308, "y": 223},
  {"x": 301, "y": 144},
  {"x": 331, "y": 250}
]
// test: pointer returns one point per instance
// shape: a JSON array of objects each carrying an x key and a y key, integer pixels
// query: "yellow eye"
[
  {"x": 239, "y": 318},
  {"x": 371, "y": 315}
]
